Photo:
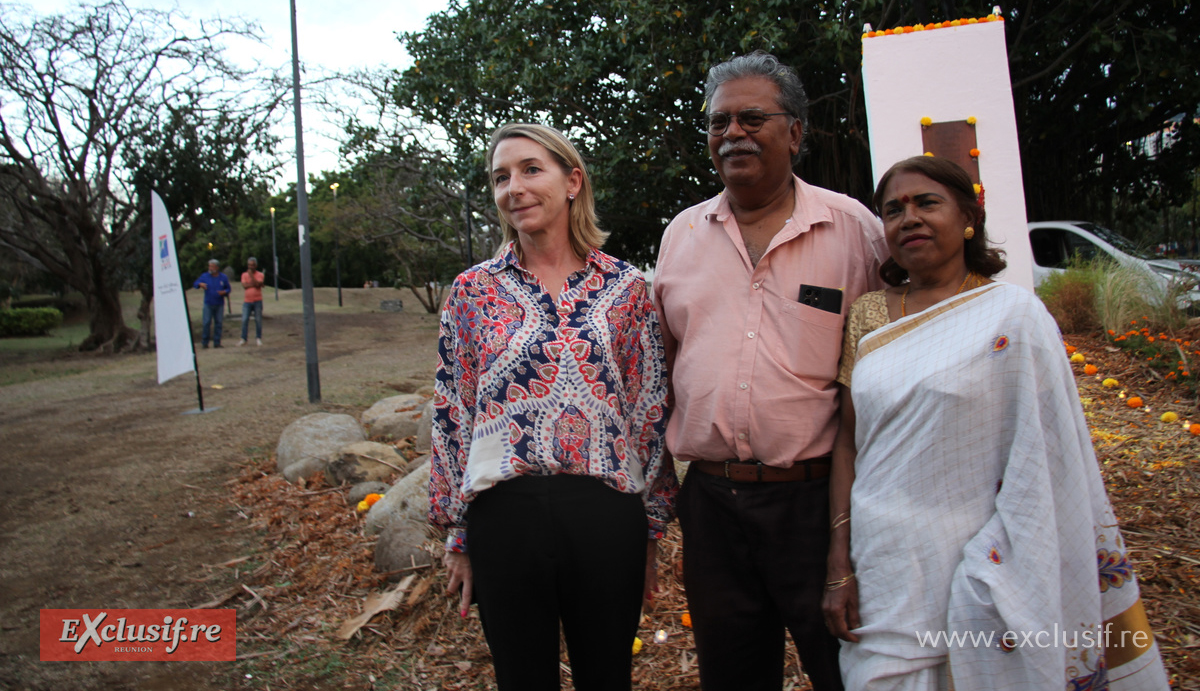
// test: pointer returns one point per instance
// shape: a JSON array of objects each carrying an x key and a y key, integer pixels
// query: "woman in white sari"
[{"x": 983, "y": 553}]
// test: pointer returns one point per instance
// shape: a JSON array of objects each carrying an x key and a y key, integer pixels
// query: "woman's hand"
[
  {"x": 651, "y": 588},
  {"x": 840, "y": 605},
  {"x": 458, "y": 567}
]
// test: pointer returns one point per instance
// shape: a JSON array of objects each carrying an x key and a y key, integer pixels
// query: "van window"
[
  {"x": 1049, "y": 247},
  {"x": 1081, "y": 247},
  {"x": 1053, "y": 248}
]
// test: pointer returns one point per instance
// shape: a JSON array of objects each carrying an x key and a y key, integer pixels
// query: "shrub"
[
  {"x": 29, "y": 321},
  {"x": 1121, "y": 296},
  {"x": 1070, "y": 296}
]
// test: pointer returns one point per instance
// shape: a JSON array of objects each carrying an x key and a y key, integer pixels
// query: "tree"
[
  {"x": 208, "y": 168},
  {"x": 80, "y": 96},
  {"x": 408, "y": 190},
  {"x": 624, "y": 79}
]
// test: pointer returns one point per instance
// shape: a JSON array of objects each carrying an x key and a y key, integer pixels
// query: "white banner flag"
[{"x": 171, "y": 329}]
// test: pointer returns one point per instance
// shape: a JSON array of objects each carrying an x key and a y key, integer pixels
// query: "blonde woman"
[{"x": 548, "y": 467}]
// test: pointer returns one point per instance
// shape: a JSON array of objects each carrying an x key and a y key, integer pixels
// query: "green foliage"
[
  {"x": 29, "y": 321},
  {"x": 1070, "y": 296},
  {"x": 624, "y": 79},
  {"x": 1121, "y": 296}
]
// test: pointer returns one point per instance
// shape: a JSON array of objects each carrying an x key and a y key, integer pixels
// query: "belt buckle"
[{"x": 727, "y": 470}]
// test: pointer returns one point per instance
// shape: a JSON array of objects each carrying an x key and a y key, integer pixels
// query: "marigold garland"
[{"x": 929, "y": 27}]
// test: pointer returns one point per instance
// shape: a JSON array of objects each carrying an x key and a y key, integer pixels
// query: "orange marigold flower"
[
  {"x": 1195, "y": 430},
  {"x": 1150, "y": 339},
  {"x": 372, "y": 498},
  {"x": 1134, "y": 402},
  {"x": 1090, "y": 369},
  {"x": 686, "y": 619},
  {"x": 1112, "y": 333}
]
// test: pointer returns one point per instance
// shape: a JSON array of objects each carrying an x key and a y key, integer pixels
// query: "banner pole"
[{"x": 195, "y": 363}]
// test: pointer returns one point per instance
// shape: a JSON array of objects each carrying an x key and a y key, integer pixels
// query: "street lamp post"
[
  {"x": 337, "y": 254},
  {"x": 275, "y": 254},
  {"x": 310, "y": 317}
]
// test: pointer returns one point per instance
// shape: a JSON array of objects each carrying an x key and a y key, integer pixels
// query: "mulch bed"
[{"x": 316, "y": 567}]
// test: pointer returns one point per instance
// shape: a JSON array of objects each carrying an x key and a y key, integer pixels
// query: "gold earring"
[{"x": 968, "y": 233}]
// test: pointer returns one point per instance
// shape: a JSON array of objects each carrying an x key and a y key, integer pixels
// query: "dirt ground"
[{"x": 112, "y": 497}]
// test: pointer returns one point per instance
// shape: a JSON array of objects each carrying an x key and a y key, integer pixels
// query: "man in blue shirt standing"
[{"x": 216, "y": 287}]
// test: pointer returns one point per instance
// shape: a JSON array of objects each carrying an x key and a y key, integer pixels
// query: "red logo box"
[{"x": 138, "y": 634}]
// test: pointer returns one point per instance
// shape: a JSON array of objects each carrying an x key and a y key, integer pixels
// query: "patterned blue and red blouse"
[{"x": 530, "y": 386}]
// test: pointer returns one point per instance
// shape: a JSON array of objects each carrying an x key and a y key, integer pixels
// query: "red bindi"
[{"x": 905, "y": 199}]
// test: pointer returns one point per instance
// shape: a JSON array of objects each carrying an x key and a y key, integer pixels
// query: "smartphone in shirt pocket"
[{"x": 824, "y": 299}]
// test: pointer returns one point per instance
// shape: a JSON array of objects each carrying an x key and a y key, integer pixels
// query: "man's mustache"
[{"x": 742, "y": 146}]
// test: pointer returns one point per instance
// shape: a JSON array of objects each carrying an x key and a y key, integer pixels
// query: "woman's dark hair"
[{"x": 983, "y": 260}]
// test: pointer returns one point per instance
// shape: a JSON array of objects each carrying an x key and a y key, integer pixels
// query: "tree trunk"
[
  {"x": 144, "y": 315},
  {"x": 108, "y": 332}
]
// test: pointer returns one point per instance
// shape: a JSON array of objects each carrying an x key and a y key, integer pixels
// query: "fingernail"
[{"x": 462, "y": 613}]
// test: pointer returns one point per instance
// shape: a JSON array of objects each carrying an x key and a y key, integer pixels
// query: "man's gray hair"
[
  {"x": 214, "y": 261},
  {"x": 252, "y": 259},
  {"x": 792, "y": 97}
]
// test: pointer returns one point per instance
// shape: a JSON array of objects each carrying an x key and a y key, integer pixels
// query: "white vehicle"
[{"x": 1056, "y": 243}]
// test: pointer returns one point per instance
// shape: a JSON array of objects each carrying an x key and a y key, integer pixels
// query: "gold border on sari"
[{"x": 876, "y": 340}]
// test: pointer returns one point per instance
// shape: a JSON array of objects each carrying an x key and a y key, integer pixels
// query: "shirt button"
[
  {"x": 743, "y": 385},
  {"x": 750, "y": 335},
  {"x": 742, "y": 436},
  {"x": 755, "y": 286}
]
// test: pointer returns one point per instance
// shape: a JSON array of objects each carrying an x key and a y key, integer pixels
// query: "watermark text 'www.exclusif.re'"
[{"x": 1101, "y": 636}]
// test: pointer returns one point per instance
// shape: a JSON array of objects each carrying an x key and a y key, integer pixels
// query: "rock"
[
  {"x": 394, "y": 416},
  {"x": 404, "y": 386},
  {"x": 399, "y": 547},
  {"x": 425, "y": 429},
  {"x": 308, "y": 444},
  {"x": 391, "y": 305},
  {"x": 407, "y": 500},
  {"x": 360, "y": 462},
  {"x": 360, "y": 491},
  {"x": 426, "y": 390}
]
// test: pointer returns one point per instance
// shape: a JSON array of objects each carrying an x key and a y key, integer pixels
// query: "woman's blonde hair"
[{"x": 582, "y": 228}]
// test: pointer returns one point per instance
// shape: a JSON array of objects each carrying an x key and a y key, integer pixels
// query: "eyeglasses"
[{"x": 750, "y": 120}]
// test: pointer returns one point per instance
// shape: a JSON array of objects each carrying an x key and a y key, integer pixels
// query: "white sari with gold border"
[{"x": 978, "y": 510}]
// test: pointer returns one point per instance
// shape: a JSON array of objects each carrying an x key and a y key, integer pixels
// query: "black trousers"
[
  {"x": 558, "y": 548},
  {"x": 754, "y": 564}
]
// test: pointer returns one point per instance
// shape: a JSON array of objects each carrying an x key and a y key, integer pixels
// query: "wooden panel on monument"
[{"x": 953, "y": 140}]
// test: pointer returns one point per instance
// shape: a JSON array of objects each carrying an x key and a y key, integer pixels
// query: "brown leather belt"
[{"x": 755, "y": 471}]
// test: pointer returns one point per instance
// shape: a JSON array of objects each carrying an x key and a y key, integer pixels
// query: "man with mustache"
[{"x": 752, "y": 286}]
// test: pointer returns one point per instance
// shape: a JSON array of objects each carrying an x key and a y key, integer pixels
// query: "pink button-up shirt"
[{"x": 751, "y": 368}]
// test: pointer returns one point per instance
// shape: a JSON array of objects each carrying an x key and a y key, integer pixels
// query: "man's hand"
[{"x": 458, "y": 566}]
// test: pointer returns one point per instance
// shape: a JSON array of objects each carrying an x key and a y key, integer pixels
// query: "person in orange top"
[{"x": 252, "y": 303}]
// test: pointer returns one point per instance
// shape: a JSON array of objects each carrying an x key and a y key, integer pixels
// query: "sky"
[{"x": 332, "y": 36}]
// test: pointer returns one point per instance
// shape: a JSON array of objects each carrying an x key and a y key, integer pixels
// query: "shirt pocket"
[{"x": 810, "y": 341}]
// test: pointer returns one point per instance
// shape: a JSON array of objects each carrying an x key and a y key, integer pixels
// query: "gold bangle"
[
  {"x": 842, "y": 519},
  {"x": 834, "y": 585}
]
